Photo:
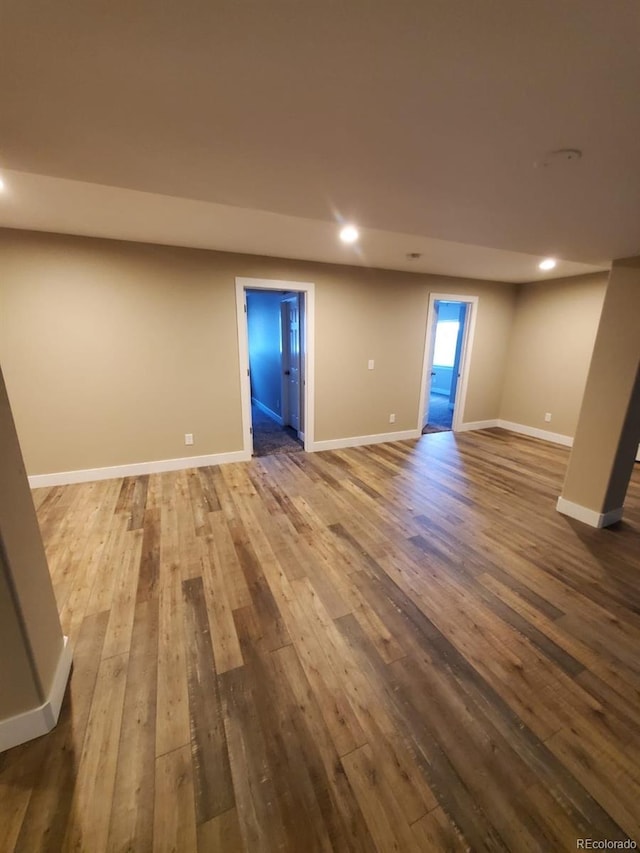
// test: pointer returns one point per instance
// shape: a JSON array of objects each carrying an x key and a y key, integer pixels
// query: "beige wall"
[
  {"x": 112, "y": 350},
  {"x": 382, "y": 315},
  {"x": 548, "y": 360}
]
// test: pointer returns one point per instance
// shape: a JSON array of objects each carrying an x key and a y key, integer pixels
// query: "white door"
[
  {"x": 291, "y": 361},
  {"x": 432, "y": 345},
  {"x": 458, "y": 356}
]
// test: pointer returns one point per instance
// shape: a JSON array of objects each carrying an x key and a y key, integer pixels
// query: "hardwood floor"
[{"x": 400, "y": 647}]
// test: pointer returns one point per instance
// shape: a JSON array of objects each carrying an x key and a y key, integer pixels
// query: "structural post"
[
  {"x": 34, "y": 656},
  {"x": 608, "y": 433}
]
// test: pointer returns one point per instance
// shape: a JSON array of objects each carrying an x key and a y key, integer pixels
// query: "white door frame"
[
  {"x": 465, "y": 360},
  {"x": 308, "y": 288}
]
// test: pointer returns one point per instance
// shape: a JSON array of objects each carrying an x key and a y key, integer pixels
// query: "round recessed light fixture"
[
  {"x": 349, "y": 234},
  {"x": 547, "y": 264},
  {"x": 1, "y": 185}
]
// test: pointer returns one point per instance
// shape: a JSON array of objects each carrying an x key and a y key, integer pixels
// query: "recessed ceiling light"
[
  {"x": 349, "y": 234},
  {"x": 1, "y": 184},
  {"x": 547, "y": 264}
]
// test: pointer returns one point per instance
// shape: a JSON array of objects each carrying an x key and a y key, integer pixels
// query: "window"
[{"x": 444, "y": 351}]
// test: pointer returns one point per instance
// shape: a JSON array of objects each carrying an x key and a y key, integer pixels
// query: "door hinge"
[
  {"x": 245, "y": 307},
  {"x": 247, "y": 371},
  {"x": 250, "y": 430}
]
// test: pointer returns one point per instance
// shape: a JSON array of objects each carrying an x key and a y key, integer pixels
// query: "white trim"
[
  {"x": 360, "y": 440},
  {"x": 38, "y": 721},
  {"x": 522, "y": 429},
  {"x": 308, "y": 288},
  {"x": 588, "y": 516},
  {"x": 534, "y": 432},
  {"x": 269, "y": 412},
  {"x": 473, "y": 425},
  {"x": 243, "y": 362},
  {"x": 87, "y": 475},
  {"x": 59, "y": 683},
  {"x": 465, "y": 359},
  {"x": 64, "y": 478}
]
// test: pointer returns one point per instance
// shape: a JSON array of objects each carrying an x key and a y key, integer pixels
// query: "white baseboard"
[
  {"x": 588, "y": 516},
  {"x": 471, "y": 425},
  {"x": 534, "y": 432},
  {"x": 86, "y": 475},
  {"x": 38, "y": 721},
  {"x": 522, "y": 429},
  {"x": 267, "y": 411},
  {"x": 545, "y": 435},
  {"x": 361, "y": 440},
  {"x": 64, "y": 478}
]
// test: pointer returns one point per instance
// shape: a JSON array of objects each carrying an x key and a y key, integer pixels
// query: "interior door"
[
  {"x": 290, "y": 308},
  {"x": 432, "y": 346},
  {"x": 458, "y": 355}
]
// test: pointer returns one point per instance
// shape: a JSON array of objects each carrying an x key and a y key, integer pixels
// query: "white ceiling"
[
  {"x": 75, "y": 207},
  {"x": 255, "y": 126}
]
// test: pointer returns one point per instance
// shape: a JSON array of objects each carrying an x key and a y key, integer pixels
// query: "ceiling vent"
[{"x": 561, "y": 157}]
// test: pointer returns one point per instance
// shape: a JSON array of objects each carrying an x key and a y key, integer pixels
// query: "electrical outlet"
[
  {"x": 188, "y": 438},
  {"x": 392, "y": 419},
  {"x": 547, "y": 417},
  {"x": 371, "y": 364}
]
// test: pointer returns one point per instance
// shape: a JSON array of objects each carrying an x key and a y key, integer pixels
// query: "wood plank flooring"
[{"x": 394, "y": 648}]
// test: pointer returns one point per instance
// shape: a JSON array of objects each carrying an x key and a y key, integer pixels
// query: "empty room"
[{"x": 319, "y": 426}]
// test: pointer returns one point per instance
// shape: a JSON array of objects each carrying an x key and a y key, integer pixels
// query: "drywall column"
[
  {"x": 608, "y": 431},
  {"x": 34, "y": 656}
]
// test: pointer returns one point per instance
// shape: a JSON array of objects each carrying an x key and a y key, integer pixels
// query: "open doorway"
[
  {"x": 273, "y": 328},
  {"x": 274, "y": 334},
  {"x": 448, "y": 341}
]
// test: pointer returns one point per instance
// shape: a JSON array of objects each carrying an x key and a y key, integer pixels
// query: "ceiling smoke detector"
[{"x": 560, "y": 157}]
